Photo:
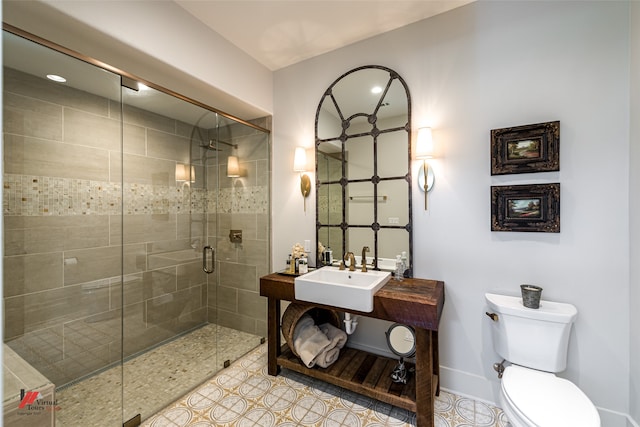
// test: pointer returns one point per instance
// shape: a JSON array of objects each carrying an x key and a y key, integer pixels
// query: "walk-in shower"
[{"x": 123, "y": 287}]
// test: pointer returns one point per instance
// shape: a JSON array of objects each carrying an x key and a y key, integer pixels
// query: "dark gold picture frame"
[
  {"x": 534, "y": 207},
  {"x": 526, "y": 149}
]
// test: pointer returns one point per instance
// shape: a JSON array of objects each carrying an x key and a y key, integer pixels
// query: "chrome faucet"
[
  {"x": 352, "y": 260},
  {"x": 365, "y": 249}
]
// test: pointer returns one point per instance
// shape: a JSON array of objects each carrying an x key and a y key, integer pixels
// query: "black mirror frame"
[{"x": 375, "y": 179}]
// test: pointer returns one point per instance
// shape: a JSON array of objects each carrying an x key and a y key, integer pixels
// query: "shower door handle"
[{"x": 205, "y": 267}]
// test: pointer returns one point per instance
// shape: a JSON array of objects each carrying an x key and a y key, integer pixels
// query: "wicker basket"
[{"x": 295, "y": 311}]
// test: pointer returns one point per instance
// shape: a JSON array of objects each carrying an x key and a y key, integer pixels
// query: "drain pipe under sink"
[{"x": 349, "y": 323}]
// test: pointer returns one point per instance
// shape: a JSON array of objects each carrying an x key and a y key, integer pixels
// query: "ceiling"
[
  {"x": 275, "y": 33},
  {"x": 278, "y": 33}
]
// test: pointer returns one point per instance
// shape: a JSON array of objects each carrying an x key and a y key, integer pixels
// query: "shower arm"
[{"x": 212, "y": 142}]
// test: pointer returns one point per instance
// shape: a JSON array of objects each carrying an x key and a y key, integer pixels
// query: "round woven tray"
[{"x": 295, "y": 311}]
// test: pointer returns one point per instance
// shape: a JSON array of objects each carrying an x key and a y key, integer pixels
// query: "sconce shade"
[
  {"x": 184, "y": 173},
  {"x": 424, "y": 146},
  {"x": 300, "y": 160},
  {"x": 233, "y": 168}
]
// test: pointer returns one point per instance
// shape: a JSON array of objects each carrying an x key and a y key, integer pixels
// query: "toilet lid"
[{"x": 547, "y": 400}]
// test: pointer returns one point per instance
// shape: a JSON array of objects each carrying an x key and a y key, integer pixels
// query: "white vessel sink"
[{"x": 352, "y": 290}]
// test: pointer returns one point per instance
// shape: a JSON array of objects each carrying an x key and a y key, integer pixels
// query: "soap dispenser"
[
  {"x": 303, "y": 266},
  {"x": 399, "y": 269},
  {"x": 328, "y": 256}
]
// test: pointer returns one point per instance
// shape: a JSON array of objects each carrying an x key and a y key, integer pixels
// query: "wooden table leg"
[
  {"x": 436, "y": 359},
  {"x": 424, "y": 378},
  {"x": 273, "y": 326}
]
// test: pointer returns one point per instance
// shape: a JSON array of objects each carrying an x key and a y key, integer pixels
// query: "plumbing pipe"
[{"x": 349, "y": 323}]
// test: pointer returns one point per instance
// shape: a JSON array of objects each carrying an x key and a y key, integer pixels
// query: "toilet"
[{"x": 535, "y": 342}]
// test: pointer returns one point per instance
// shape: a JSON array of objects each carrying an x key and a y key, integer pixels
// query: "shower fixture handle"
[{"x": 205, "y": 267}]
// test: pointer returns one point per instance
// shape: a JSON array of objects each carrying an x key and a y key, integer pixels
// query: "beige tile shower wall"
[
  {"x": 63, "y": 214},
  {"x": 243, "y": 204}
]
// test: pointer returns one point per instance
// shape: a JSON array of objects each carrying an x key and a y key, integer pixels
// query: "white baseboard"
[
  {"x": 371, "y": 349},
  {"x": 469, "y": 385},
  {"x": 609, "y": 418}
]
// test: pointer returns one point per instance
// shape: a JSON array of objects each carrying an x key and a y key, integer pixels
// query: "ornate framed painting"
[
  {"x": 526, "y": 149},
  {"x": 534, "y": 207}
]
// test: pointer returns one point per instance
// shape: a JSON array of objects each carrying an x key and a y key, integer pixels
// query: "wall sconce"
[
  {"x": 233, "y": 167},
  {"x": 185, "y": 174},
  {"x": 300, "y": 165},
  {"x": 424, "y": 151}
]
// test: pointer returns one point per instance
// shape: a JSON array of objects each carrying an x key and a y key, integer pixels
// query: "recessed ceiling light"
[
  {"x": 56, "y": 78},
  {"x": 376, "y": 89}
]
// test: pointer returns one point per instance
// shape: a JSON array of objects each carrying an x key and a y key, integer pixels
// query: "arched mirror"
[{"x": 363, "y": 173}]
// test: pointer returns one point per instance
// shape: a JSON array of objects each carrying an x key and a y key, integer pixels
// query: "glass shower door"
[
  {"x": 168, "y": 346},
  {"x": 240, "y": 226},
  {"x": 195, "y": 240}
]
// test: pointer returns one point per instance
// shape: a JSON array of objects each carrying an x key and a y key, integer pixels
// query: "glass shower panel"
[
  {"x": 240, "y": 225},
  {"x": 168, "y": 346},
  {"x": 62, "y": 262}
]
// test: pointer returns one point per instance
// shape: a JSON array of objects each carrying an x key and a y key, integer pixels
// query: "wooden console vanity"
[{"x": 414, "y": 302}]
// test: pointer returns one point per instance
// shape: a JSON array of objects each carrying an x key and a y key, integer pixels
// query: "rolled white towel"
[
  {"x": 308, "y": 340},
  {"x": 337, "y": 336},
  {"x": 328, "y": 356},
  {"x": 337, "y": 339}
]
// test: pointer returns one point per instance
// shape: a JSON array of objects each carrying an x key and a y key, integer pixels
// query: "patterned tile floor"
[{"x": 245, "y": 395}]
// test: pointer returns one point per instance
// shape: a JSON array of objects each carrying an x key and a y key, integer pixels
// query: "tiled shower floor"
[
  {"x": 245, "y": 395},
  {"x": 151, "y": 380}
]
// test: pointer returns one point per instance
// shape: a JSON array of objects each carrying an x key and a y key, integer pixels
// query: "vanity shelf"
[
  {"x": 414, "y": 302},
  {"x": 361, "y": 372}
]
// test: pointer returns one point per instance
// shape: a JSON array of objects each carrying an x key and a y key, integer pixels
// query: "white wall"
[
  {"x": 480, "y": 67},
  {"x": 157, "y": 41}
]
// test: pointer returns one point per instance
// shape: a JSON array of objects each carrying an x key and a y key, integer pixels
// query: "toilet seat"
[{"x": 544, "y": 400}]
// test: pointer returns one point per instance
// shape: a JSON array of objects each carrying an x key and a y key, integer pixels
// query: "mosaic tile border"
[{"x": 28, "y": 195}]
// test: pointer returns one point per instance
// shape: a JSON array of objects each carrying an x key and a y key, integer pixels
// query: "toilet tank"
[{"x": 534, "y": 338}]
